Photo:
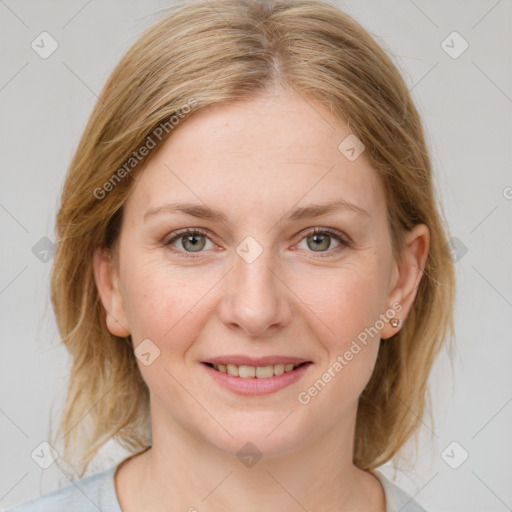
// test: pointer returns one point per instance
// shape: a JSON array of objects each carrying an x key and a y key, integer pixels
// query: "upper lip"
[{"x": 241, "y": 360}]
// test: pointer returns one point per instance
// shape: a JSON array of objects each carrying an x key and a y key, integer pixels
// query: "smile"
[{"x": 249, "y": 380}]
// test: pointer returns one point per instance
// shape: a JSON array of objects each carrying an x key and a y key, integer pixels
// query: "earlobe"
[
  {"x": 410, "y": 273},
  {"x": 105, "y": 277}
]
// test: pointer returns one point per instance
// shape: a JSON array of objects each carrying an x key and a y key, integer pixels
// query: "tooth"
[
  {"x": 260, "y": 372},
  {"x": 232, "y": 370},
  {"x": 278, "y": 369},
  {"x": 246, "y": 371},
  {"x": 264, "y": 372}
]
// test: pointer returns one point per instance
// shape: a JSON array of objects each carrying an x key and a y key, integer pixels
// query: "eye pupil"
[
  {"x": 320, "y": 238},
  {"x": 196, "y": 245}
]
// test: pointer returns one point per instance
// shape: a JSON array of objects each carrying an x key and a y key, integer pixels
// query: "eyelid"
[
  {"x": 171, "y": 237},
  {"x": 330, "y": 231}
]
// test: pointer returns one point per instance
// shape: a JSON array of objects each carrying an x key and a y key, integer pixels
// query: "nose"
[{"x": 255, "y": 298}]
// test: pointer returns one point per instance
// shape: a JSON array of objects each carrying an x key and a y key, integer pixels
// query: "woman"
[{"x": 252, "y": 275}]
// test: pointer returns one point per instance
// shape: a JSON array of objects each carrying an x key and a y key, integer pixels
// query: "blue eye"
[
  {"x": 191, "y": 240},
  {"x": 321, "y": 239},
  {"x": 194, "y": 240}
]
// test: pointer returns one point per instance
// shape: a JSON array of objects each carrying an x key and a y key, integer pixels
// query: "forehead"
[{"x": 277, "y": 151}]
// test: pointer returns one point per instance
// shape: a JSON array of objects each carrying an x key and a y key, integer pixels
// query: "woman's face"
[{"x": 256, "y": 282}]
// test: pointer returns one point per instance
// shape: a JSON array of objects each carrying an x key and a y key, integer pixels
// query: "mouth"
[
  {"x": 257, "y": 372},
  {"x": 256, "y": 376}
]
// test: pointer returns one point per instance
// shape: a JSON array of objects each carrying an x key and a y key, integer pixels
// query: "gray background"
[{"x": 466, "y": 104}]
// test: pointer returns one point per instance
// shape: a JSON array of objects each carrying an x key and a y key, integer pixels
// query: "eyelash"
[{"x": 316, "y": 231}]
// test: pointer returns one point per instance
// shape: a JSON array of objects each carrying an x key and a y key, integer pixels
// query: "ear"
[
  {"x": 106, "y": 279},
  {"x": 407, "y": 276}
]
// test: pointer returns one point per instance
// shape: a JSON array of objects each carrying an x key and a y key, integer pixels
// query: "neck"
[{"x": 184, "y": 472}]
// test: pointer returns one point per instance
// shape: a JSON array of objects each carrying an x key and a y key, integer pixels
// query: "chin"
[{"x": 262, "y": 434}]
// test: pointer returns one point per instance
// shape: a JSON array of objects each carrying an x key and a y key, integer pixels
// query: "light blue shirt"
[{"x": 97, "y": 492}]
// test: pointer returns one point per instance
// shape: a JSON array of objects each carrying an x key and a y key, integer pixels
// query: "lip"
[
  {"x": 243, "y": 360},
  {"x": 254, "y": 386}
]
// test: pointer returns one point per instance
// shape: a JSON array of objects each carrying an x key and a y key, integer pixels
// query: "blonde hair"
[{"x": 216, "y": 52}]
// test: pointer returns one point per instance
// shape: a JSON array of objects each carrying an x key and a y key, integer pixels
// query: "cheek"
[
  {"x": 164, "y": 304},
  {"x": 346, "y": 315},
  {"x": 345, "y": 300}
]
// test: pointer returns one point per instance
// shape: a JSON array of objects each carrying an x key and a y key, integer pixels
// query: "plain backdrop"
[{"x": 466, "y": 103}]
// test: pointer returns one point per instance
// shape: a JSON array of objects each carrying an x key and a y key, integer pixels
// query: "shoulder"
[
  {"x": 397, "y": 499},
  {"x": 88, "y": 494}
]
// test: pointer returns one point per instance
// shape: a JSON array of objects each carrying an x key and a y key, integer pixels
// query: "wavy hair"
[{"x": 219, "y": 52}]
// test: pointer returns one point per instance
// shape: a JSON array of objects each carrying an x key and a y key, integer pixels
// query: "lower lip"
[{"x": 255, "y": 386}]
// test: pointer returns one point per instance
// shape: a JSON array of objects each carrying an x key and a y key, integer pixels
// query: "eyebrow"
[{"x": 309, "y": 211}]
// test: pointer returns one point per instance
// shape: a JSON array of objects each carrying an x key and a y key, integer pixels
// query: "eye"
[
  {"x": 320, "y": 240},
  {"x": 192, "y": 240}
]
